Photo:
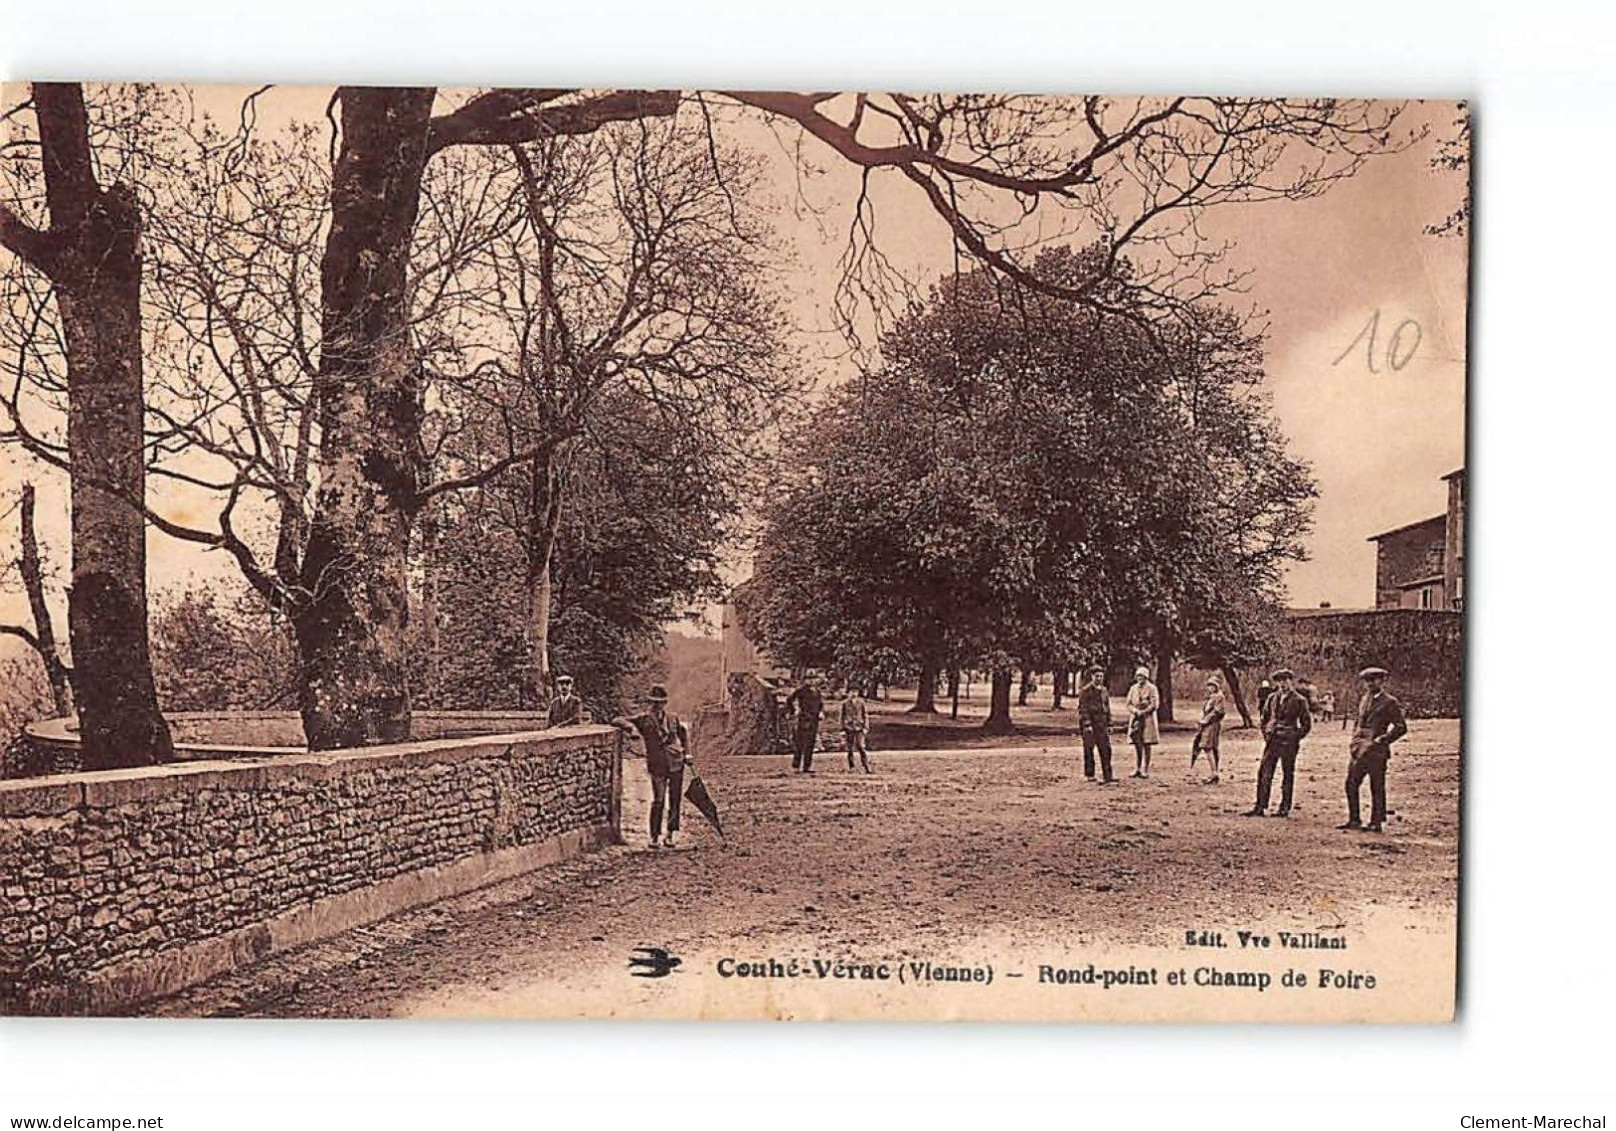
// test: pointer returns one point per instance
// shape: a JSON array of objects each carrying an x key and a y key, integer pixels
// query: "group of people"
[
  {"x": 1144, "y": 733},
  {"x": 806, "y": 707},
  {"x": 1287, "y": 718}
]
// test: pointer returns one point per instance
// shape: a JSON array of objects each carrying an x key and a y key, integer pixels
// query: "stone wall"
[
  {"x": 1422, "y": 649},
  {"x": 124, "y": 885},
  {"x": 51, "y": 746}
]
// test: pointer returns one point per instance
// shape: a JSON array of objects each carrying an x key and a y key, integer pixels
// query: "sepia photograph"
[{"x": 506, "y": 552}]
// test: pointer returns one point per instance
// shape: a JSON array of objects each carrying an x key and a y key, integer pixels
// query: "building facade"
[
  {"x": 1453, "y": 564},
  {"x": 1420, "y": 565},
  {"x": 740, "y": 653}
]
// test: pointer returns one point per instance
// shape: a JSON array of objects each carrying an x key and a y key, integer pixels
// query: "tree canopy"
[{"x": 1023, "y": 481}]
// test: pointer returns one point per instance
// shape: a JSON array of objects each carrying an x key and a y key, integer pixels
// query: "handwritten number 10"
[{"x": 1400, "y": 348}]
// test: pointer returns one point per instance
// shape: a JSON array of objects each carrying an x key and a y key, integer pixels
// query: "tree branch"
[
  {"x": 478, "y": 478},
  {"x": 508, "y": 117},
  {"x": 39, "y": 249},
  {"x": 19, "y": 631}
]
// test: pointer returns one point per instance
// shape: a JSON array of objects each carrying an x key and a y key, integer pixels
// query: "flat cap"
[
  {"x": 1372, "y": 673},
  {"x": 1282, "y": 673}
]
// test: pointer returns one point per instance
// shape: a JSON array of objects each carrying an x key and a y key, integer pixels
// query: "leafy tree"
[
  {"x": 1055, "y": 483},
  {"x": 637, "y": 546},
  {"x": 25, "y": 695},
  {"x": 212, "y": 651}
]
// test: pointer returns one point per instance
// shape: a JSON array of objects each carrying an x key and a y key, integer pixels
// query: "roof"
[
  {"x": 1431, "y": 580},
  {"x": 1454, "y": 474},
  {"x": 1442, "y": 518}
]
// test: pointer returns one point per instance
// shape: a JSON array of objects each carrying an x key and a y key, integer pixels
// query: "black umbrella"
[{"x": 696, "y": 793}]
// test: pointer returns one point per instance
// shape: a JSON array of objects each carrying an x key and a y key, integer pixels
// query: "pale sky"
[{"x": 1379, "y": 443}]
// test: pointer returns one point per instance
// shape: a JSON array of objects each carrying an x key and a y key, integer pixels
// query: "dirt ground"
[{"x": 968, "y": 855}]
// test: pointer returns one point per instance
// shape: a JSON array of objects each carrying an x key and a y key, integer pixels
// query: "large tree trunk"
[
  {"x": 926, "y": 690},
  {"x": 1058, "y": 692},
  {"x": 544, "y": 522},
  {"x": 1028, "y": 681},
  {"x": 351, "y": 629},
  {"x": 1232, "y": 678},
  {"x": 953, "y": 692},
  {"x": 1164, "y": 684},
  {"x": 97, "y": 275},
  {"x": 33, "y": 582},
  {"x": 431, "y": 591},
  {"x": 539, "y": 597},
  {"x": 998, "y": 720}
]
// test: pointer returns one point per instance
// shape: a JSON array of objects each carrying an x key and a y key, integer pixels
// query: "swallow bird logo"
[{"x": 651, "y": 962}]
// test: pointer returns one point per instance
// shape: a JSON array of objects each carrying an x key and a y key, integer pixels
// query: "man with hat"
[
  {"x": 1286, "y": 719},
  {"x": 1094, "y": 724},
  {"x": 1380, "y": 723},
  {"x": 566, "y": 709},
  {"x": 667, "y": 753},
  {"x": 807, "y": 704}
]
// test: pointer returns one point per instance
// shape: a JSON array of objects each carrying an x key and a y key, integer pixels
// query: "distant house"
[
  {"x": 1420, "y": 565},
  {"x": 739, "y": 652}
]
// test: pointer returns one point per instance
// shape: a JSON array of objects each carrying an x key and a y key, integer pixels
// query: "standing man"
[
  {"x": 1380, "y": 723},
  {"x": 667, "y": 753},
  {"x": 1286, "y": 719},
  {"x": 1143, "y": 731},
  {"x": 808, "y": 705},
  {"x": 1265, "y": 691},
  {"x": 1094, "y": 724},
  {"x": 855, "y": 725},
  {"x": 566, "y": 709}
]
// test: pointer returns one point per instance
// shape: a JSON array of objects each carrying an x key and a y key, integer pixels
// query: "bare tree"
[
  {"x": 90, "y": 254},
  {"x": 633, "y": 292},
  {"x": 1453, "y": 155},
  {"x": 42, "y": 636}
]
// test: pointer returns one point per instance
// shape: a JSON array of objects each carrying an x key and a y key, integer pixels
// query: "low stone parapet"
[
  {"x": 120, "y": 886},
  {"x": 51, "y": 746}
]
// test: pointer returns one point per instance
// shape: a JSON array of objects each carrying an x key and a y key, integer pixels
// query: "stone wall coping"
[
  {"x": 1377, "y": 614},
  {"x": 60, "y": 793},
  {"x": 64, "y": 730}
]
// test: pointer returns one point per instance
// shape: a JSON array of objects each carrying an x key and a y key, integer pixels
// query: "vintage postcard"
[{"x": 539, "y": 553}]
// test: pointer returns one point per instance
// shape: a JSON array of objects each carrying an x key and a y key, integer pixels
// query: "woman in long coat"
[
  {"x": 1206, "y": 738},
  {"x": 1143, "y": 699}
]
